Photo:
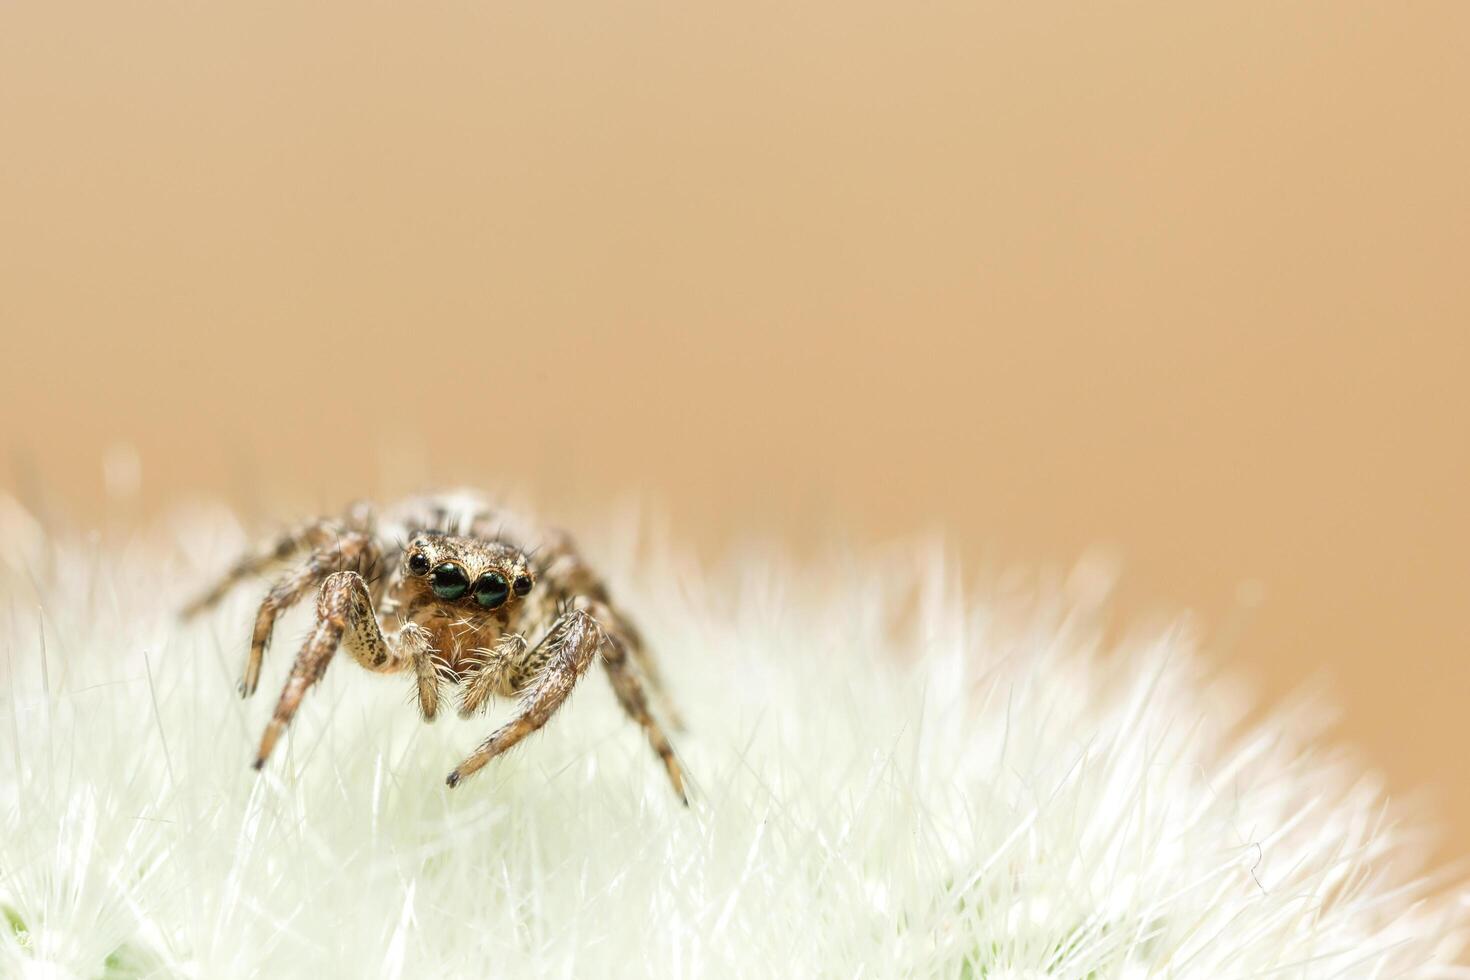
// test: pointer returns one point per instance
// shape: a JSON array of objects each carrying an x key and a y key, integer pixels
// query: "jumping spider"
[{"x": 451, "y": 589}]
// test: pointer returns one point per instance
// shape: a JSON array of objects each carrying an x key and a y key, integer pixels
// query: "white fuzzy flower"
[{"x": 889, "y": 780}]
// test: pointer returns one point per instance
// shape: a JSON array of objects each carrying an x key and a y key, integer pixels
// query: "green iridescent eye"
[
  {"x": 449, "y": 581},
  {"x": 491, "y": 590}
]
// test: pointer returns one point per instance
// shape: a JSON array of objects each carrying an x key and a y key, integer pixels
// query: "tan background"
[{"x": 1191, "y": 279}]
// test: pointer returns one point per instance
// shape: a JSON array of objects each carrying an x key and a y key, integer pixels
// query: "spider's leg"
[
  {"x": 344, "y": 617},
  {"x": 620, "y": 628},
  {"x": 564, "y": 564},
  {"x": 572, "y": 644},
  {"x": 488, "y": 675},
  {"x": 287, "y": 546},
  {"x": 307, "y": 576},
  {"x": 628, "y": 687}
]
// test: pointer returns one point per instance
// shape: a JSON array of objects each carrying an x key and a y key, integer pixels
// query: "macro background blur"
[{"x": 1187, "y": 281}]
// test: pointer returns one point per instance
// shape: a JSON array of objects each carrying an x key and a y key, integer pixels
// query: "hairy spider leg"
[
  {"x": 344, "y": 619},
  {"x": 355, "y": 550}
]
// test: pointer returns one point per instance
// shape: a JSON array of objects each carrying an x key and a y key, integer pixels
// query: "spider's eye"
[
  {"x": 418, "y": 563},
  {"x": 491, "y": 590},
  {"x": 522, "y": 584},
  {"x": 449, "y": 581}
]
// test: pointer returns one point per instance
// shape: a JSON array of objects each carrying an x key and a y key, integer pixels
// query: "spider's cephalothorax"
[{"x": 453, "y": 591}]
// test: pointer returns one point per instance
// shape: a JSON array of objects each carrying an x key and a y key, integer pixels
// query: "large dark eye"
[
  {"x": 491, "y": 590},
  {"x": 522, "y": 584},
  {"x": 449, "y": 581},
  {"x": 418, "y": 563}
]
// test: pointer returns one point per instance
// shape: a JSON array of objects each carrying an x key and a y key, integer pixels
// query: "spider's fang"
[{"x": 453, "y": 779}]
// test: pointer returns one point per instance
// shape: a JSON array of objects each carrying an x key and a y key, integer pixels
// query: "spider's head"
[{"x": 479, "y": 574}]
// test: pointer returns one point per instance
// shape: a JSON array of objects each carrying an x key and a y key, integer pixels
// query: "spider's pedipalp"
[
  {"x": 417, "y": 644},
  {"x": 487, "y": 676}
]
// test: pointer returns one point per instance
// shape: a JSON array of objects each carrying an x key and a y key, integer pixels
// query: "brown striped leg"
[
  {"x": 491, "y": 672},
  {"x": 344, "y": 618},
  {"x": 575, "y": 640},
  {"x": 628, "y": 687},
  {"x": 287, "y": 546},
  {"x": 620, "y": 628},
  {"x": 349, "y": 550}
]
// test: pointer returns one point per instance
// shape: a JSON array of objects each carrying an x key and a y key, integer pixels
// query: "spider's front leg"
[
  {"x": 573, "y": 642},
  {"x": 345, "y": 618}
]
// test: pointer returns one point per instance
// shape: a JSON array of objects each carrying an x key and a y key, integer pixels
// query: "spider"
[{"x": 451, "y": 589}]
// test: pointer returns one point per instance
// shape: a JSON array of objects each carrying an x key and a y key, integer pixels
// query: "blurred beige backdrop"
[{"x": 1192, "y": 280}]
